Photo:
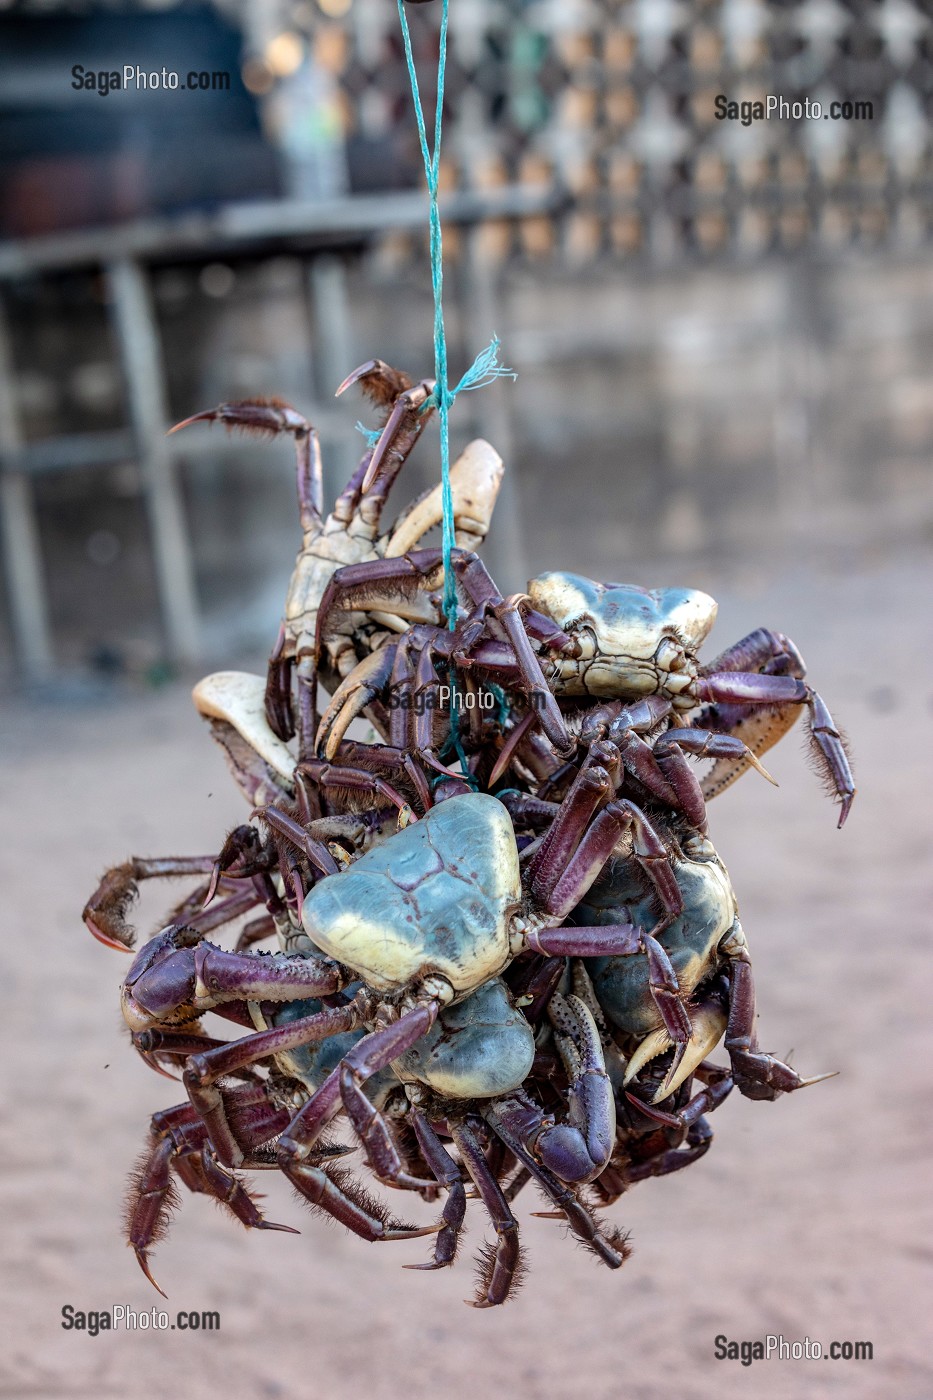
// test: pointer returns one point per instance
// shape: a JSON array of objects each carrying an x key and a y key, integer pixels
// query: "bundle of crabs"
[{"x": 490, "y": 941}]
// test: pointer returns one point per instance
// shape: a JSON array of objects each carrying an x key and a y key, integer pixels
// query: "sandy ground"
[{"x": 809, "y": 1217}]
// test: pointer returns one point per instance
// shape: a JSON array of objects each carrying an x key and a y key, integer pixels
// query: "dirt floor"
[{"x": 810, "y": 1218}]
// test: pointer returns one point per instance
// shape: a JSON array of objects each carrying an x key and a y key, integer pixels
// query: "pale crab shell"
[
  {"x": 238, "y": 698},
  {"x": 693, "y": 943},
  {"x": 691, "y": 940},
  {"x": 630, "y": 626},
  {"x": 434, "y": 898},
  {"x": 478, "y": 1049},
  {"x": 475, "y": 479}
]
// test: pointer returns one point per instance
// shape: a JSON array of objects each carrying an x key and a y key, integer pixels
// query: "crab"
[
  {"x": 424, "y": 919},
  {"x": 707, "y": 968},
  {"x": 461, "y": 1083},
  {"x": 352, "y": 532},
  {"x": 632, "y": 649},
  {"x": 634, "y": 644}
]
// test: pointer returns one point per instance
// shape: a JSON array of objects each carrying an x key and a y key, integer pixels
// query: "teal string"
[
  {"x": 484, "y": 370},
  {"x": 485, "y": 367}
]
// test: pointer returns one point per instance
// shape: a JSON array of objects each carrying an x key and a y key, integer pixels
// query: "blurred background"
[
  {"x": 723, "y": 335},
  {"x": 723, "y": 329}
]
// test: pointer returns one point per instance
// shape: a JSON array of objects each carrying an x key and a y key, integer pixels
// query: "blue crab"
[
  {"x": 632, "y": 644},
  {"x": 706, "y": 968},
  {"x": 427, "y": 919},
  {"x": 572, "y": 640}
]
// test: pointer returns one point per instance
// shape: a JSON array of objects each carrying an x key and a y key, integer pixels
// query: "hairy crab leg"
[
  {"x": 204, "y": 1069},
  {"x": 611, "y": 1247},
  {"x": 354, "y": 779},
  {"x": 178, "y": 1142},
  {"x": 372, "y": 1129},
  {"x": 315, "y": 852},
  {"x": 386, "y": 761},
  {"x": 448, "y": 1175},
  {"x": 744, "y": 689},
  {"x": 499, "y": 1269},
  {"x": 105, "y": 912}
]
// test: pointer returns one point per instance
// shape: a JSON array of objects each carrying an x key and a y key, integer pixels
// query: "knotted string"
[
  {"x": 485, "y": 367},
  {"x": 484, "y": 370}
]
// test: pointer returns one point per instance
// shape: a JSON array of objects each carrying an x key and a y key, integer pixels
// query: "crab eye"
[{"x": 670, "y": 656}]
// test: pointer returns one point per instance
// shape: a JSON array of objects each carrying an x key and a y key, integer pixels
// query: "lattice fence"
[{"x": 616, "y": 101}]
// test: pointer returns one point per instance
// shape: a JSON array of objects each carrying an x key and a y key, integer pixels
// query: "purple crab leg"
[
  {"x": 389, "y": 760},
  {"x": 296, "y": 1147},
  {"x": 179, "y": 1144},
  {"x": 498, "y": 1267},
  {"x": 223, "y": 912},
  {"x": 616, "y": 819},
  {"x": 278, "y": 694},
  {"x": 104, "y": 913},
  {"x": 509, "y": 1121},
  {"x": 403, "y": 427},
  {"x": 552, "y": 858},
  {"x": 762, "y": 650},
  {"x": 752, "y": 687},
  {"x": 204, "y": 1068},
  {"x": 364, "y": 1059},
  {"x": 355, "y": 779},
  {"x": 447, "y": 1173},
  {"x": 315, "y": 851},
  {"x": 737, "y": 687},
  {"x": 373, "y": 1131},
  {"x": 589, "y": 941},
  {"x": 513, "y": 741},
  {"x": 757, "y": 1075}
]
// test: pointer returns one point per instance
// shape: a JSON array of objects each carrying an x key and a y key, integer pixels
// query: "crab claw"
[
  {"x": 161, "y": 982},
  {"x": 709, "y": 1025}
]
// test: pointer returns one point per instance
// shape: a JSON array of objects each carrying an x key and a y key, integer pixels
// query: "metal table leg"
[
  {"x": 139, "y": 347},
  {"x": 333, "y": 342},
  {"x": 21, "y": 550}
]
